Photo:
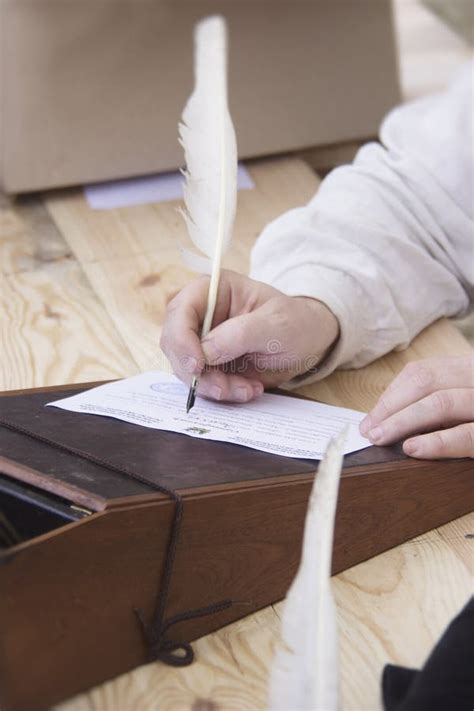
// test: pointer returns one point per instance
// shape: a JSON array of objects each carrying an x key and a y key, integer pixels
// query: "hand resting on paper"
[
  {"x": 260, "y": 337},
  {"x": 432, "y": 403}
]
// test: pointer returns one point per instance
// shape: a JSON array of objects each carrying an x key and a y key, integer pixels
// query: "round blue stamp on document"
[{"x": 169, "y": 388}]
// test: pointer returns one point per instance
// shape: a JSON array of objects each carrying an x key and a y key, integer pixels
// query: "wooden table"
[{"x": 82, "y": 297}]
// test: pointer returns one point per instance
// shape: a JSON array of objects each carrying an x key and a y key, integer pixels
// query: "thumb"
[{"x": 237, "y": 336}]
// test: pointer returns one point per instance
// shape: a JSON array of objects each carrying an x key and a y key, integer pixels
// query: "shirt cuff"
[{"x": 342, "y": 294}]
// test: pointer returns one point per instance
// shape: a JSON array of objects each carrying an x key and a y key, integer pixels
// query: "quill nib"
[{"x": 191, "y": 395}]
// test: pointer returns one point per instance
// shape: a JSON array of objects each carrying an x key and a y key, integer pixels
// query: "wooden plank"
[
  {"x": 104, "y": 235},
  {"x": 52, "y": 327}
]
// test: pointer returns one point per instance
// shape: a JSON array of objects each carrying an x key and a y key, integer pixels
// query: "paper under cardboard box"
[{"x": 93, "y": 90}]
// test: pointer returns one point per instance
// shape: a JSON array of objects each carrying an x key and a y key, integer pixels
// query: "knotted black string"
[{"x": 159, "y": 647}]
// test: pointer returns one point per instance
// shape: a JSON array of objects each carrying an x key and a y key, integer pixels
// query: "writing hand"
[
  {"x": 260, "y": 337},
  {"x": 432, "y": 403}
]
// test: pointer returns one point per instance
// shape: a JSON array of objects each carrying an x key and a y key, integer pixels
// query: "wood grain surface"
[{"x": 53, "y": 328}]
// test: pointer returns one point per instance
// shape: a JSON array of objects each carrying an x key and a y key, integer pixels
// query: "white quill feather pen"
[
  {"x": 208, "y": 138},
  {"x": 305, "y": 669}
]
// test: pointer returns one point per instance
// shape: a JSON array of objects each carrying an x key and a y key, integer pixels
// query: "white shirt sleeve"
[{"x": 387, "y": 242}]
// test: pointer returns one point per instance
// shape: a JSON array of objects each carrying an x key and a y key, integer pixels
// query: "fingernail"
[
  {"x": 241, "y": 394},
  {"x": 257, "y": 389},
  {"x": 376, "y": 434},
  {"x": 210, "y": 351},
  {"x": 365, "y": 425},
  {"x": 410, "y": 447},
  {"x": 216, "y": 392}
]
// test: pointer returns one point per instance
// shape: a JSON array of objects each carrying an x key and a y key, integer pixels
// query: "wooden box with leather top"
[{"x": 121, "y": 544}]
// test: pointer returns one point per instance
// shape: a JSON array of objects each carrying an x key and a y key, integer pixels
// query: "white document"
[
  {"x": 149, "y": 188},
  {"x": 278, "y": 424}
]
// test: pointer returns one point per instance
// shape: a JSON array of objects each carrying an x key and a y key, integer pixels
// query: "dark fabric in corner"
[{"x": 446, "y": 682}]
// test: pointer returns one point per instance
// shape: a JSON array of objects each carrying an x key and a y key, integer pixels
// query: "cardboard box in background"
[{"x": 93, "y": 89}]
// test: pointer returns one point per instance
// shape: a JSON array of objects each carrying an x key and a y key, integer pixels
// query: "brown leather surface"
[{"x": 173, "y": 460}]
